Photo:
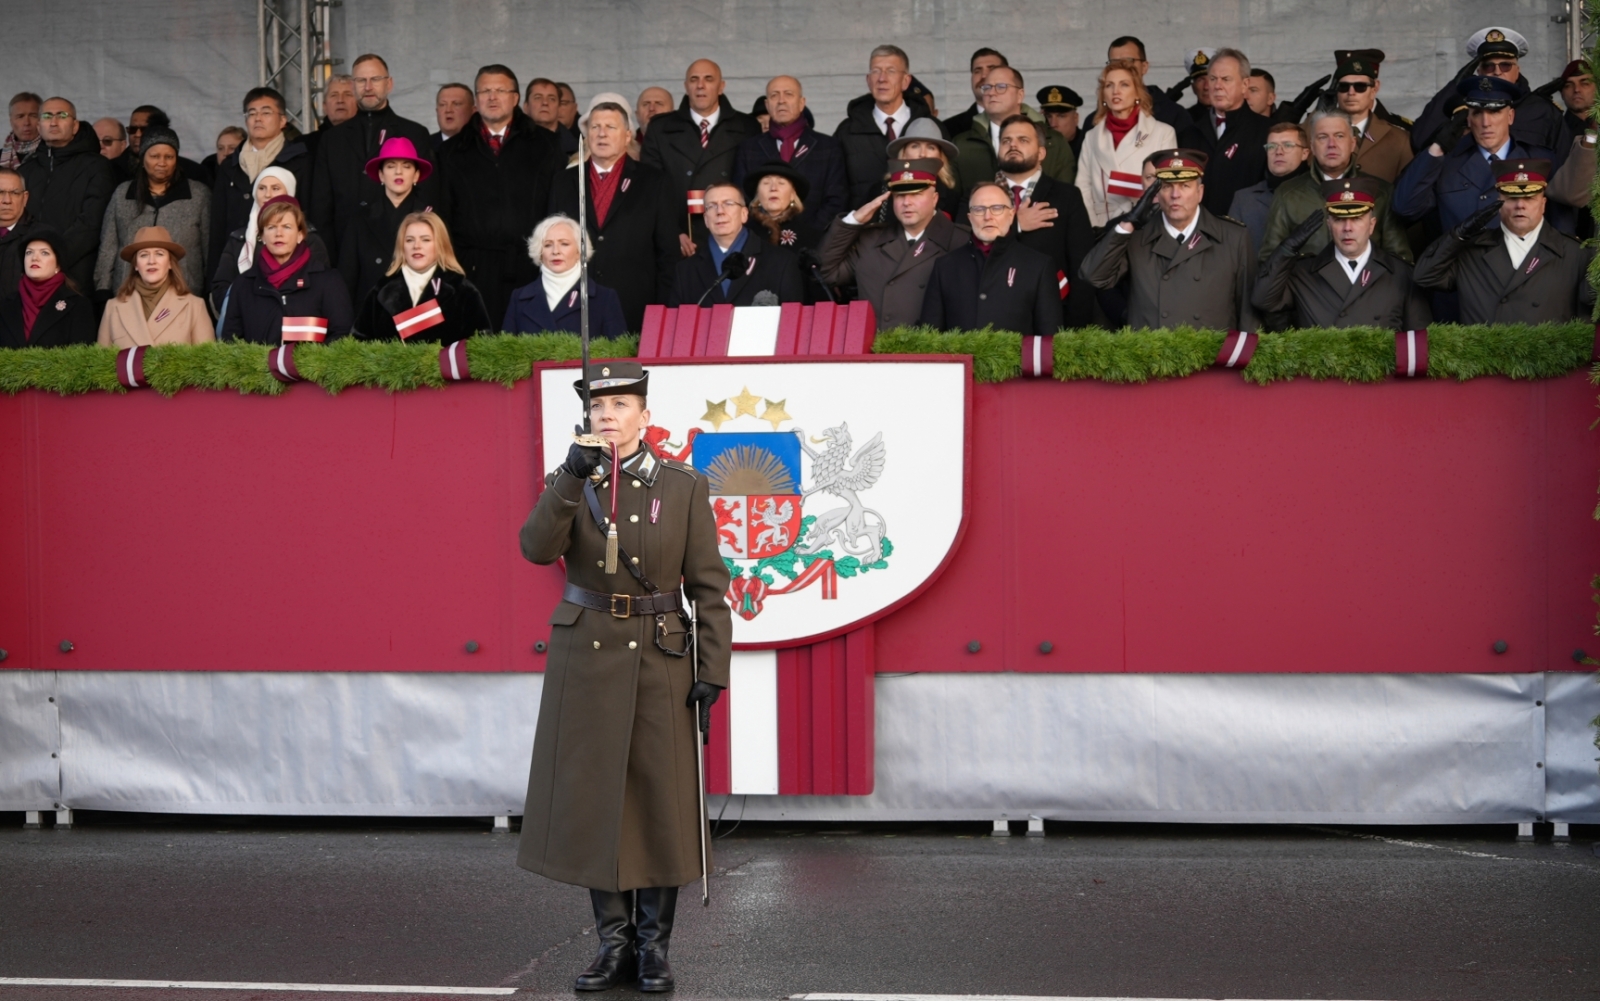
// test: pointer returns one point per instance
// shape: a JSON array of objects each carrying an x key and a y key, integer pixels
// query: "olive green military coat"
[
  {"x": 1204, "y": 283},
  {"x": 613, "y": 799}
]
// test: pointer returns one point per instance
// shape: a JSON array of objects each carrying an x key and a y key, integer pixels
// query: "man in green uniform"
[{"x": 613, "y": 794}]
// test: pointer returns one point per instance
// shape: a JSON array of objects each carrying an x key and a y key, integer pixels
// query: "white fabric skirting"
[{"x": 1346, "y": 748}]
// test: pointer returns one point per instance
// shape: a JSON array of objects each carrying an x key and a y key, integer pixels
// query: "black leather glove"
[
  {"x": 1296, "y": 109},
  {"x": 1141, "y": 211},
  {"x": 581, "y": 461},
  {"x": 1476, "y": 223},
  {"x": 1549, "y": 89},
  {"x": 1302, "y": 234},
  {"x": 1176, "y": 91},
  {"x": 706, "y": 694},
  {"x": 1451, "y": 131}
]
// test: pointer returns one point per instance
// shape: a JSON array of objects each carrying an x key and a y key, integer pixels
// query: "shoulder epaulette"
[
  {"x": 682, "y": 467},
  {"x": 1229, "y": 218}
]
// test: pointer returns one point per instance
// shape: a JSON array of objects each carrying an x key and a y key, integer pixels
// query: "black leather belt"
[{"x": 622, "y": 605}]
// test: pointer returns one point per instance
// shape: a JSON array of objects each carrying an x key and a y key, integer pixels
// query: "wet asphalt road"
[{"x": 1088, "y": 911}]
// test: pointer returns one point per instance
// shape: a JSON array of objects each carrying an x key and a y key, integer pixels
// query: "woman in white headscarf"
[{"x": 239, "y": 253}]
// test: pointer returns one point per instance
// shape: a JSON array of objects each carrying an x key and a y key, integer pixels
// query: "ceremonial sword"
[{"x": 702, "y": 734}]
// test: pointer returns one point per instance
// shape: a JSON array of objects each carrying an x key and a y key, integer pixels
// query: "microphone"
[
  {"x": 809, "y": 258},
  {"x": 732, "y": 267},
  {"x": 765, "y": 297}
]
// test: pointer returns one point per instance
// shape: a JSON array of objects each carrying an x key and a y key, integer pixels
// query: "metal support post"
[
  {"x": 1035, "y": 826},
  {"x": 294, "y": 55},
  {"x": 1525, "y": 831},
  {"x": 1563, "y": 831},
  {"x": 1002, "y": 829},
  {"x": 502, "y": 825},
  {"x": 63, "y": 818},
  {"x": 30, "y": 820}
]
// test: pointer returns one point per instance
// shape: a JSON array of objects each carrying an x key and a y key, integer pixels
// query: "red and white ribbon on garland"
[
  {"x": 453, "y": 362},
  {"x": 280, "y": 362},
  {"x": 130, "y": 367},
  {"x": 1411, "y": 353},
  {"x": 1238, "y": 348},
  {"x": 1038, "y": 356}
]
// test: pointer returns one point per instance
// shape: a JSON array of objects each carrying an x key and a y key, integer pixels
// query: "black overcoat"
[
  {"x": 460, "y": 302},
  {"x": 492, "y": 202},
  {"x": 68, "y": 190},
  {"x": 339, "y": 182},
  {"x": 256, "y": 309},
  {"x": 636, "y": 251},
  {"x": 68, "y": 318},
  {"x": 1237, "y": 159},
  {"x": 1011, "y": 288},
  {"x": 819, "y": 159},
  {"x": 530, "y": 312},
  {"x": 366, "y": 249},
  {"x": 866, "y": 149},
  {"x": 672, "y": 146},
  {"x": 232, "y": 193},
  {"x": 1067, "y": 241},
  {"x": 771, "y": 269}
]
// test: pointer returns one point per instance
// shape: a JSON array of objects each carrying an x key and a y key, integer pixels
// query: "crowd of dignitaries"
[{"x": 1237, "y": 211}]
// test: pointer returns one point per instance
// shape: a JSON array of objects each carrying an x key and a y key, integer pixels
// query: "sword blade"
[{"x": 700, "y": 765}]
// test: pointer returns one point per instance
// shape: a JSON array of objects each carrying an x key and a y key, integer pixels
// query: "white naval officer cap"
[{"x": 1497, "y": 37}]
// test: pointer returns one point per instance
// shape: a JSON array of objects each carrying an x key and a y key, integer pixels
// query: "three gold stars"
[{"x": 745, "y": 403}]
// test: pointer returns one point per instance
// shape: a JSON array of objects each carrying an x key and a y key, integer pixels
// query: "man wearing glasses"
[
  {"x": 265, "y": 145},
  {"x": 994, "y": 281},
  {"x": 1382, "y": 148},
  {"x": 1288, "y": 154},
  {"x": 733, "y": 266},
  {"x": 15, "y": 224},
  {"x": 69, "y": 184},
  {"x": 497, "y": 173},
  {"x": 978, "y": 149},
  {"x": 1188, "y": 268},
  {"x": 339, "y": 183},
  {"x": 1493, "y": 52}
]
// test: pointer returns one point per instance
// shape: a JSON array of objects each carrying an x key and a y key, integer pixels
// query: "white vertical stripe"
[
  {"x": 455, "y": 369},
  {"x": 1411, "y": 352},
  {"x": 131, "y": 380},
  {"x": 753, "y": 721},
  {"x": 1038, "y": 350},
  {"x": 1238, "y": 349},
  {"x": 754, "y": 332}
]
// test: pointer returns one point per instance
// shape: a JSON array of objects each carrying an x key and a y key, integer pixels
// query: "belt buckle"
[{"x": 626, "y": 601}]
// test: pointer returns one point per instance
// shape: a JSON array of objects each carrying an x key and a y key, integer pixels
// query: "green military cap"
[{"x": 616, "y": 377}]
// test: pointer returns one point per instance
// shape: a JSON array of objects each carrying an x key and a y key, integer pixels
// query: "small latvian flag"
[
  {"x": 697, "y": 203},
  {"x": 418, "y": 318},
  {"x": 305, "y": 328},
  {"x": 1126, "y": 185}
]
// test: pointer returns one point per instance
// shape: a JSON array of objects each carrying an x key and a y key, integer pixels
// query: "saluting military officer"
[
  {"x": 613, "y": 800},
  {"x": 1351, "y": 282},
  {"x": 1525, "y": 271},
  {"x": 1188, "y": 267}
]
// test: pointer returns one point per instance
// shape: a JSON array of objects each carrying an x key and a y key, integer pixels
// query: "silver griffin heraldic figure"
[{"x": 845, "y": 526}]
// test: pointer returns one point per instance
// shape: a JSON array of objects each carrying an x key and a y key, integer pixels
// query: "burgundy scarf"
[
  {"x": 787, "y": 136},
  {"x": 604, "y": 189},
  {"x": 1119, "y": 127},
  {"x": 277, "y": 273},
  {"x": 34, "y": 295}
]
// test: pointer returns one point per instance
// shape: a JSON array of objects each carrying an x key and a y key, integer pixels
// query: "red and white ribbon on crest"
[{"x": 748, "y": 594}]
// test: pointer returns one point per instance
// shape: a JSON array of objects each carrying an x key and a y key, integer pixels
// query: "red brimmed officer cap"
[
  {"x": 1521, "y": 178},
  {"x": 1350, "y": 196},
  {"x": 1178, "y": 164}
]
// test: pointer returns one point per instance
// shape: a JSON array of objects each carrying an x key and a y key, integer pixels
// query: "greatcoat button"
[
  {"x": 597, "y": 644},
  {"x": 599, "y": 563},
  {"x": 636, "y": 483},
  {"x": 632, "y": 645},
  {"x": 983, "y": 295},
  {"x": 633, "y": 517}
]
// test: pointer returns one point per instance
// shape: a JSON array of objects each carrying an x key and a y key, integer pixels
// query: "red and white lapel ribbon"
[
  {"x": 1237, "y": 349},
  {"x": 1411, "y": 353}
]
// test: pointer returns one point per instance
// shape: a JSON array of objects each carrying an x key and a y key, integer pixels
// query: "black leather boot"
[
  {"x": 617, "y": 962},
  {"x": 657, "y": 904}
]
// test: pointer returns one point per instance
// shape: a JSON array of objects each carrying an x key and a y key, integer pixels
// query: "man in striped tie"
[{"x": 696, "y": 145}]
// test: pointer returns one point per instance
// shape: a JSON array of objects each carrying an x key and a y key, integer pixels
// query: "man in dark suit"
[
  {"x": 630, "y": 210},
  {"x": 496, "y": 187},
  {"x": 733, "y": 265},
  {"x": 1050, "y": 216},
  {"x": 1351, "y": 282},
  {"x": 993, "y": 280},
  {"x": 1231, "y": 135},
  {"x": 1524, "y": 271},
  {"x": 790, "y": 138},
  {"x": 696, "y": 146},
  {"x": 1186, "y": 266},
  {"x": 890, "y": 266},
  {"x": 877, "y": 118}
]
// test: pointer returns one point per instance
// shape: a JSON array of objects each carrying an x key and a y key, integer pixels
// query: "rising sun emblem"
[{"x": 749, "y": 470}]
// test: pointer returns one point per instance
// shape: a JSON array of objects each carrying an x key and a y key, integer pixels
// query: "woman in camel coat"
[{"x": 153, "y": 305}]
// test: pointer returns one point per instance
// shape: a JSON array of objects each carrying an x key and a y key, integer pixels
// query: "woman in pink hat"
[{"x": 367, "y": 245}]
